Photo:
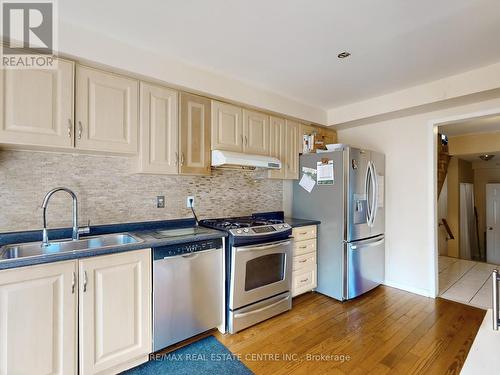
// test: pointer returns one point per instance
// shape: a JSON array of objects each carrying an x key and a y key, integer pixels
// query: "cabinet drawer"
[
  {"x": 304, "y": 247},
  {"x": 304, "y": 261},
  {"x": 304, "y": 233},
  {"x": 303, "y": 281}
]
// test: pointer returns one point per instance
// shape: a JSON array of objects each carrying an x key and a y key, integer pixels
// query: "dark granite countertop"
[
  {"x": 293, "y": 221},
  {"x": 145, "y": 232},
  {"x": 296, "y": 222}
]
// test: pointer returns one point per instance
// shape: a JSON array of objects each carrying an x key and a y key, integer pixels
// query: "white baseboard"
[{"x": 419, "y": 291}]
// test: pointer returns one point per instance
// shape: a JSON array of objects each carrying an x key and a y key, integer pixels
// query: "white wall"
[
  {"x": 409, "y": 145},
  {"x": 87, "y": 45}
]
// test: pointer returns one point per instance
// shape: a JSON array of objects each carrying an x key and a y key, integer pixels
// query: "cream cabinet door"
[
  {"x": 227, "y": 127},
  {"x": 106, "y": 111},
  {"x": 36, "y": 106},
  {"x": 194, "y": 139},
  {"x": 277, "y": 145},
  {"x": 292, "y": 150},
  {"x": 38, "y": 309},
  {"x": 255, "y": 133},
  {"x": 115, "y": 311},
  {"x": 159, "y": 151}
]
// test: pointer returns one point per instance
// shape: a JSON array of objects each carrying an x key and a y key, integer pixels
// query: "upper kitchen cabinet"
[
  {"x": 291, "y": 150},
  {"x": 255, "y": 133},
  {"x": 194, "y": 139},
  {"x": 227, "y": 127},
  {"x": 106, "y": 111},
  {"x": 37, "y": 106},
  {"x": 159, "y": 151},
  {"x": 277, "y": 145},
  {"x": 38, "y": 317}
]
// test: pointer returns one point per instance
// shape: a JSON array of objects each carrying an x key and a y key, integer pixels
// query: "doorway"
[{"x": 468, "y": 185}]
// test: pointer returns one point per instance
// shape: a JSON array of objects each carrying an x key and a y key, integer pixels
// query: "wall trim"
[{"x": 411, "y": 289}]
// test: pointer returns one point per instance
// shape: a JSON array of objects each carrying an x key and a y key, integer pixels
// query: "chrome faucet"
[{"x": 76, "y": 230}]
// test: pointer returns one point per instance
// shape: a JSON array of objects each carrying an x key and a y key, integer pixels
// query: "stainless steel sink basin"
[{"x": 34, "y": 249}]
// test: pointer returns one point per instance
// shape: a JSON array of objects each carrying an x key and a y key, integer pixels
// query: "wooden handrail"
[{"x": 447, "y": 228}]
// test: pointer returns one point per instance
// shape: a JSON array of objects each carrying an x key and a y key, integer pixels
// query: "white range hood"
[{"x": 237, "y": 159}]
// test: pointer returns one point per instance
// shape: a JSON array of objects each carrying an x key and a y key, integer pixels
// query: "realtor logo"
[{"x": 28, "y": 30}]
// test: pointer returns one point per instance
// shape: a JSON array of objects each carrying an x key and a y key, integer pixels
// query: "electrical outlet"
[
  {"x": 160, "y": 201},
  {"x": 190, "y": 202}
]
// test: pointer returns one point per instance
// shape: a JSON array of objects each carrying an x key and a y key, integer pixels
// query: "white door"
[
  {"x": 227, "y": 127},
  {"x": 38, "y": 320},
  {"x": 255, "y": 133},
  {"x": 159, "y": 152},
  {"x": 36, "y": 106},
  {"x": 115, "y": 311},
  {"x": 493, "y": 223},
  {"x": 106, "y": 111}
]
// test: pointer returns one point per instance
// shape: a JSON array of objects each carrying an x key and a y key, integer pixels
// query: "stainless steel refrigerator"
[{"x": 350, "y": 206}]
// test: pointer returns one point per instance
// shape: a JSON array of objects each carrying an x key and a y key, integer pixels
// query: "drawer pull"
[
  {"x": 304, "y": 280},
  {"x": 303, "y": 233},
  {"x": 303, "y": 261},
  {"x": 302, "y": 247}
]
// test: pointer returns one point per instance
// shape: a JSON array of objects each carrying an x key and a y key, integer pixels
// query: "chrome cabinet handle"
[
  {"x": 85, "y": 281},
  {"x": 70, "y": 127},
  {"x": 73, "y": 283},
  {"x": 182, "y": 159},
  {"x": 246, "y": 140},
  {"x": 176, "y": 158},
  {"x": 242, "y": 139},
  {"x": 80, "y": 130}
]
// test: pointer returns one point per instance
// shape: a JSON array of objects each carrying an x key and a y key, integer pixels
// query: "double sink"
[{"x": 38, "y": 249}]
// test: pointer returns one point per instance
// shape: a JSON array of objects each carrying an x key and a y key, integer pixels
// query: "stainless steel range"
[{"x": 258, "y": 269}]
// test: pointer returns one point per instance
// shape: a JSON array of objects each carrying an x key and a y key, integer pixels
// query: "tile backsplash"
[{"x": 109, "y": 192}]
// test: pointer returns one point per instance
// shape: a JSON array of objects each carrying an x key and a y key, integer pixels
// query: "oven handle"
[
  {"x": 263, "y": 247},
  {"x": 241, "y": 315}
]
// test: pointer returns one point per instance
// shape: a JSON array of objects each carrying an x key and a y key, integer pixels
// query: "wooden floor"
[{"x": 387, "y": 331}]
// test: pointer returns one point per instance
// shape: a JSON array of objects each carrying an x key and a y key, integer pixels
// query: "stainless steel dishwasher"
[{"x": 188, "y": 290}]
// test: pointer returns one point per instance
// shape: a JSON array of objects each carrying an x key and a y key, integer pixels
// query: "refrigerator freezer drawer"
[{"x": 365, "y": 266}]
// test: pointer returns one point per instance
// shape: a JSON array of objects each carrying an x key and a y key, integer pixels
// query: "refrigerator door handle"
[
  {"x": 368, "y": 181},
  {"x": 375, "y": 193}
]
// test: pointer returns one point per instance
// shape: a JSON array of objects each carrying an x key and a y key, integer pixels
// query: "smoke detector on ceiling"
[
  {"x": 343, "y": 55},
  {"x": 486, "y": 157}
]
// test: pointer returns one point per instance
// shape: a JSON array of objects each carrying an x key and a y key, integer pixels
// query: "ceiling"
[
  {"x": 290, "y": 47},
  {"x": 487, "y": 124},
  {"x": 475, "y": 158}
]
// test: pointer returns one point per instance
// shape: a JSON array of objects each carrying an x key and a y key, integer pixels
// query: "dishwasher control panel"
[{"x": 186, "y": 248}]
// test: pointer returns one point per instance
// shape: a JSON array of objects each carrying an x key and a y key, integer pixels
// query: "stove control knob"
[
  {"x": 280, "y": 226},
  {"x": 245, "y": 230},
  {"x": 285, "y": 225},
  {"x": 238, "y": 231}
]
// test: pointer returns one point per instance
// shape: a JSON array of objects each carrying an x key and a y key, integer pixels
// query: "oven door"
[{"x": 260, "y": 271}]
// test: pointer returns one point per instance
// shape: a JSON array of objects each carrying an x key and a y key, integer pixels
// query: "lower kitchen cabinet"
[
  {"x": 115, "y": 312},
  {"x": 304, "y": 269},
  {"x": 44, "y": 330},
  {"x": 38, "y": 319}
]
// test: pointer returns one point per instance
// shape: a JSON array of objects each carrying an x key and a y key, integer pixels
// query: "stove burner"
[{"x": 239, "y": 222}]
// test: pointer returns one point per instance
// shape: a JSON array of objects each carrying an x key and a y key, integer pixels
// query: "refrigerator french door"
[{"x": 351, "y": 210}]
